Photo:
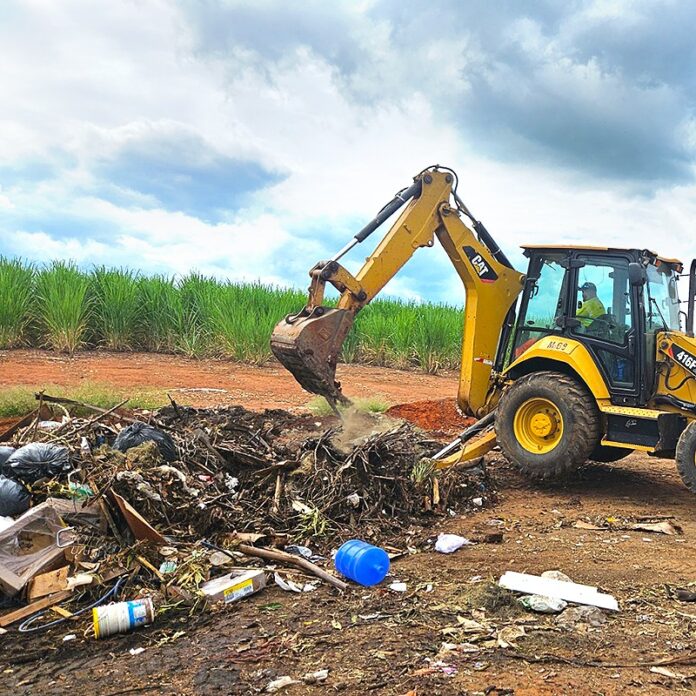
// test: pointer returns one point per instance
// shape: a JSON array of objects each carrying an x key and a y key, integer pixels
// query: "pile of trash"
[{"x": 158, "y": 506}]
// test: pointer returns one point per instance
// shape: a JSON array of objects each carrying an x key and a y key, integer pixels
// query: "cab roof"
[{"x": 568, "y": 247}]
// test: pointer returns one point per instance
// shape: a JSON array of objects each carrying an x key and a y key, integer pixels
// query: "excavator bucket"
[{"x": 308, "y": 346}]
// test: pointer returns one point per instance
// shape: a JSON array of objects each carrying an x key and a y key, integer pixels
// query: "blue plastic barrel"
[{"x": 362, "y": 562}]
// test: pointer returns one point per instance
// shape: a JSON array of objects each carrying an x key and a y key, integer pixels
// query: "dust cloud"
[{"x": 357, "y": 425}]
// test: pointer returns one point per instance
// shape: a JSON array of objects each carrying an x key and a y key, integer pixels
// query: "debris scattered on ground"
[
  {"x": 508, "y": 636},
  {"x": 683, "y": 595},
  {"x": 611, "y": 523},
  {"x": 556, "y": 575},
  {"x": 30, "y": 547},
  {"x": 672, "y": 674},
  {"x": 14, "y": 497},
  {"x": 572, "y": 616},
  {"x": 234, "y": 586},
  {"x": 122, "y": 617},
  {"x": 138, "y": 433},
  {"x": 289, "y": 585},
  {"x": 560, "y": 589},
  {"x": 543, "y": 605},
  {"x": 361, "y": 562},
  {"x": 175, "y": 509},
  {"x": 398, "y": 586},
  {"x": 37, "y": 460},
  {"x": 449, "y": 543},
  {"x": 280, "y": 683},
  {"x": 315, "y": 677},
  {"x": 658, "y": 527}
]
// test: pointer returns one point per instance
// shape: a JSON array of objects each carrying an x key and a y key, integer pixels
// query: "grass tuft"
[
  {"x": 117, "y": 307},
  {"x": 16, "y": 285},
  {"x": 63, "y": 306}
]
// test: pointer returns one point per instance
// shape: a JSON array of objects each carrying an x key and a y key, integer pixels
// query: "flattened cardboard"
[
  {"x": 234, "y": 586},
  {"x": 141, "y": 528}
]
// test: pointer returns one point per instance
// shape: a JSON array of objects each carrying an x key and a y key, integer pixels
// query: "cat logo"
[
  {"x": 684, "y": 358},
  {"x": 483, "y": 270}
]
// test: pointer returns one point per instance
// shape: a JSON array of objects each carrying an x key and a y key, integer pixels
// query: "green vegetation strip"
[
  {"x": 18, "y": 401},
  {"x": 63, "y": 308}
]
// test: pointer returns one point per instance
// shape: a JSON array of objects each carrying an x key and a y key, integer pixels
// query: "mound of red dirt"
[{"x": 434, "y": 415}]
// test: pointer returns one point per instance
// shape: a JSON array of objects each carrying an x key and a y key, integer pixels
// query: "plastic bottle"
[{"x": 361, "y": 562}]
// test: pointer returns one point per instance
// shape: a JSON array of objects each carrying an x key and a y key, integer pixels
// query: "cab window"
[
  {"x": 544, "y": 305},
  {"x": 603, "y": 303},
  {"x": 662, "y": 299}
]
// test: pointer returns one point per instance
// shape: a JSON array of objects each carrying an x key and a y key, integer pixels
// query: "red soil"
[
  {"x": 434, "y": 415},
  {"x": 210, "y": 382}
]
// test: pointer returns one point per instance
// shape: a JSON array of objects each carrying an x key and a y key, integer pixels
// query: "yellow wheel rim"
[{"x": 538, "y": 425}]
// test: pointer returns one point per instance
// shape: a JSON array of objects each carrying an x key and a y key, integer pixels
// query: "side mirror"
[{"x": 636, "y": 274}]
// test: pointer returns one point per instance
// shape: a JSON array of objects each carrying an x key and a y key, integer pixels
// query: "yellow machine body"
[
  {"x": 648, "y": 413},
  {"x": 675, "y": 367},
  {"x": 309, "y": 343}
]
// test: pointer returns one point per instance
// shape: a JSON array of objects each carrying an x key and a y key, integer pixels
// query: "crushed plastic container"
[
  {"x": 121, "y": 617},
  {"x": 362, "y": 562}
]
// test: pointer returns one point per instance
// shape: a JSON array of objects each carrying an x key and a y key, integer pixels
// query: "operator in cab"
[{"x": 591, "y": 306}]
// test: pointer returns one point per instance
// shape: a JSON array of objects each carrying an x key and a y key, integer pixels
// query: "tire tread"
[
  {"x": 686, "y": 451},
  {"x": 585, "y": 435}
]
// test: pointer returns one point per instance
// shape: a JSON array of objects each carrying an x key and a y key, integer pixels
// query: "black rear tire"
[
  {"x": 686, "y": 456},
  {"x": 580, "y": 424},
  {"x": 606, "y": 455}
]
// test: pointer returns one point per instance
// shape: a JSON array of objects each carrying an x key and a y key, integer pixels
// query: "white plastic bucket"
[{"x": 122, "y": 617}]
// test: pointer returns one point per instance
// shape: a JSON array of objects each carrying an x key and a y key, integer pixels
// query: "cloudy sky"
[{"x": 247, "y": 139}]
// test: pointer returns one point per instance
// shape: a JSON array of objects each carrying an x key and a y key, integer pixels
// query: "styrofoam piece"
[{"x": 569, "y": 591}]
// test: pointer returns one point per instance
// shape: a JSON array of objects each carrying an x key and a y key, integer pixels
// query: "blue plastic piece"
[{"x": 361, "y": 562}]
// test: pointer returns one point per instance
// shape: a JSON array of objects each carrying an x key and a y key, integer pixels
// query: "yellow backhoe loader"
[{"x": 584, "y": 357}]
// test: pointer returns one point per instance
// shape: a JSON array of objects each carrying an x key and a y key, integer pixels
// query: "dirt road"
[
  {"x": 190, "y": 381},
  {"x": 420, "y": 642}
]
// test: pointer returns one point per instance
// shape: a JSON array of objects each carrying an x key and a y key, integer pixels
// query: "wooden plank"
[
  {"x": 48, "y": 583},
  {"x": 33, "y": 608},
  {"x": 47, "y": 602},
  {"x": 558, "y": 589}
]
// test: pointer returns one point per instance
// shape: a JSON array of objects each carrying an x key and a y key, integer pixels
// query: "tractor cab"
[{"x": 607, "y": 303}]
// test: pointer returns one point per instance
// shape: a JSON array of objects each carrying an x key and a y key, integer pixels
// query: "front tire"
[
  {"x": 547, "y": 423},
  {"x": 686, "y": 456}
]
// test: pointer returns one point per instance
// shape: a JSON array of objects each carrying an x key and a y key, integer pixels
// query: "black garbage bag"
[
  {"x": 137, "y": 433},
  {"x": 14, "y": 497},
  {"x": 35, "y": 461},
  {"x": 5, "y": 452}
]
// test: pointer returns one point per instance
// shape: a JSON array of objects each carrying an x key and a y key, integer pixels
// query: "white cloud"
[{"x": 344, "y": 123}]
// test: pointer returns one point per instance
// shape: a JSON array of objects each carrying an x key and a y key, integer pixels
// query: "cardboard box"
[{"x": 234, "y": 586}]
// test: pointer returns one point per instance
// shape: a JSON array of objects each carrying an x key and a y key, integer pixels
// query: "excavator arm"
[{"x": 309, "y": 343}]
